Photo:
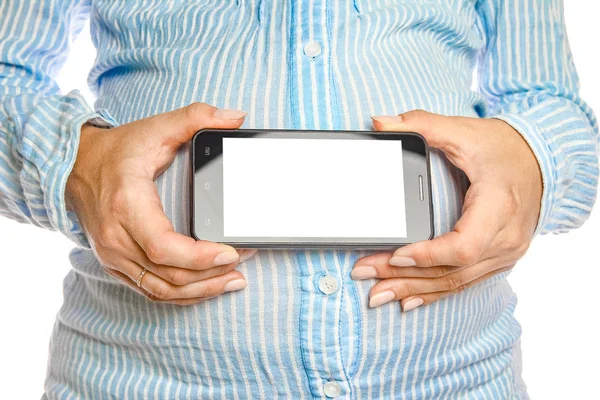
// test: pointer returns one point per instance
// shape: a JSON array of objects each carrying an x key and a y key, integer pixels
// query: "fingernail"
[
  {"x": 235, "y": 285},
  {"x": 412, "y": 304},
  {"x": 226, "y": 258},
  {"x": 228, "y": 113},
  {"x": 381, "y": 298},
  {"x": 246, "y": 254},
  {"x": 401, "y": 261},
  {"x": 388, "y": 119},
  {"x": 365, "y": 272}
]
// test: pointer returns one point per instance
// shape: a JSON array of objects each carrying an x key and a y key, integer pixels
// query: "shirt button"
[
  {"x": 312, "y": 49},
  {"x": 332, "y": 389},
  {"x": 328, "y": 284}
]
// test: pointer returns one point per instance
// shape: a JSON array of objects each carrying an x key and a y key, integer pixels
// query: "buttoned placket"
[{"x": 321, "y": 277}]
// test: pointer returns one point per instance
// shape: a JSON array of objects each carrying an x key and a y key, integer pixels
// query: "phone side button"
[{"x": 421, "y": 195}]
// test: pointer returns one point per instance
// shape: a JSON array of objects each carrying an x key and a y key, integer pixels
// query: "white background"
[{"x": 557, "y": 282}]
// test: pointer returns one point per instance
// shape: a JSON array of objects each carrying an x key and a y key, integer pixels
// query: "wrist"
[
  {"x": 537, "y": 163},
  {"x": 77, "y": 176}
]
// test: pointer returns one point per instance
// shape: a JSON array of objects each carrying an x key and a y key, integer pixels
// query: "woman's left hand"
[{"x": 499, "y": 217}]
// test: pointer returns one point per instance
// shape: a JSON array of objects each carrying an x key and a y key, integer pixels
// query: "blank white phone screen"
[{"x": 278, "y": 187}]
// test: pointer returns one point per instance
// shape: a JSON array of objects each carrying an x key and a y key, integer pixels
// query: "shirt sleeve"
[
  {"x": 527, "y": 75},
  {"x": 39, "y": 127}
]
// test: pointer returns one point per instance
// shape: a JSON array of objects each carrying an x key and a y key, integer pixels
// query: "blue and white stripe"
[{"x": 282, "y": 337}]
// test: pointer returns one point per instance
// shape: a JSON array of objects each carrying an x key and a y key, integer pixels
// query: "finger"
[
  {"x": 175, "y": 275},
  {"x": 400, "y": 288},
  {"x": 147, "y": 223},
  {"x": 125, "y": 279},
  {"x": 467, "y": 243},
  {"x": 412, "y": 302},
  {"x": 179, "y": 126},
  {"x": 182, "y": 276},
  {"x": 233, "y": 281},
  {"x": 164, "y": 290},
  {"x": 377, "y": 266},
  {"x": 455, "y": 136}
]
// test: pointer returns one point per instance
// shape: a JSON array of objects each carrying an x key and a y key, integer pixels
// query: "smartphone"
[{"x": 310, "y": 189}]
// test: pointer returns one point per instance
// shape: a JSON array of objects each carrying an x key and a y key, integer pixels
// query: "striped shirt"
[{"x": 282, "y": 337}]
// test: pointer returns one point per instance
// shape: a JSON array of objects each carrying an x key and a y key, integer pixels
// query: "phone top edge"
[{"x": 411, "y": 133}]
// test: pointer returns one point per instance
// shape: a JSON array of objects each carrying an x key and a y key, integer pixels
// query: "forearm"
[
  {"x": 564, "y": 139},
  {"x": 39, "y": 137},
  {"x": 527, "y": 75},
  {"x": 39, "y": 127}
]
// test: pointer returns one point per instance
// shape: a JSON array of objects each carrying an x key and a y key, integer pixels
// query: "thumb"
[
  {"x": 179, "y": 126},
  {"x": 445, "y": 133}
]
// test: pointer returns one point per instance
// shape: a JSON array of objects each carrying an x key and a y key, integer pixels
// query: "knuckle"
[
  {"x": 457, "y": 152},
  {"x": 417, "y": 113},
  {"x": 193, "y": 110},
  {"x": 468, "y": 254},
  {"x": 118, "y": 202},
  {"x": 511, "y": 200},
  {"x": 522, "y": 247},
  {"x": 422, "y": 118},
  {"x": 155, "y": 251},
  {"x": 451, "y": 283},
  {"x": 519, "y": 244},
  {"x": 178, "y": 276},
  {"x": 205, "y": 291},
  {"x": 439, "y": 271},
  {"x": 162, "y": 292},
  {"x": 431, "y": 257},
  {"x": 406, "y": 289},
  {"x": 107, "y": 238},
  {"x": 384, "y": 272},
  {"x": 426, "y": 255}
]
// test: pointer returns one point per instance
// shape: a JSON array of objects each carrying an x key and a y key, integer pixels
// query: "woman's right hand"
[{"x": 112, "y": 191}]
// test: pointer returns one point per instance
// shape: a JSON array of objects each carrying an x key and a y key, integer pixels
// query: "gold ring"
[{"x": 139, "y": 280}]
